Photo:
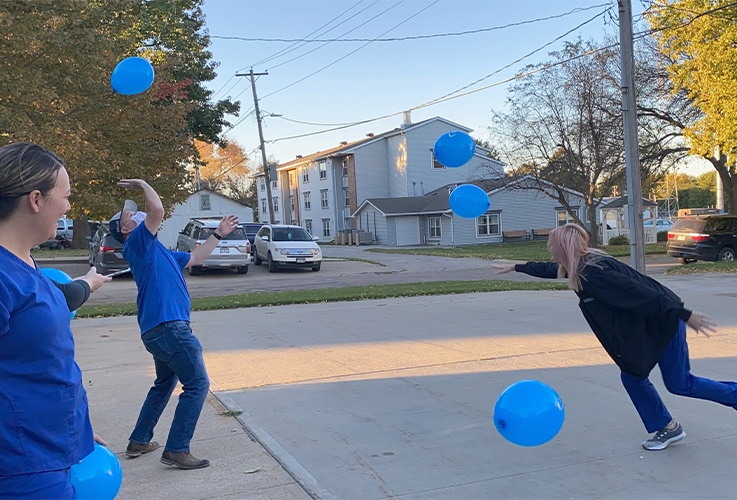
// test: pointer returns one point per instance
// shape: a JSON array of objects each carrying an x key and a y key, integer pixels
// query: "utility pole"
[
  {"x": 267, "y": 176},
  {"x": 631, "y": 148}
]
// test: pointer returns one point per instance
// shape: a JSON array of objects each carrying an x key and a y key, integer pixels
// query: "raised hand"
[
  {"x": 133, "y": 184},
  {"x": 702, "y": 323},
  {"x": 227, "y": 225}
]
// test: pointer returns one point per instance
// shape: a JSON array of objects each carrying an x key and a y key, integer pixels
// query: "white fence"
[{"x": 651, "y": 234}]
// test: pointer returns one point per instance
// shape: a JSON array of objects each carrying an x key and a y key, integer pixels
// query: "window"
[
  {"x": 291, "y": 202},
  {"x": 205, "y": 201},
  {"x": 276, "y": 203},
  {"x": 563, "y": 216},
  {"x": 274, "y": 184},
  {"x": 308, "y": 225},
  {"x": 263, "y": 184},
  {"x": 436, "y": 165},
  {"x": 435, "y": 228},
  {"x": 326, "y": 227},
  {"x": 322, "y": 167},
  {"x": 324, "y": 198},
  {"x": 345, "y": 167},
  {"x": 487, "y": 225},
  {"x": 264, "y": 207},
  {"x": 308, "y": 200},
  {"x": 305, "y": 175},
  {"x": 347, "y": 197}
]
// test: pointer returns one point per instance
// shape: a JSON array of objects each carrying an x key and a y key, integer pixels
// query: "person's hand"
[
  {"x": 227, "y": 225},
  {"x": 503, "y": 268},
  {"x": 133, "y": 184},
  {"x": 702, "y": 323},
  {"x": 94, "y": 279},
  {"x": 99, "y": 440}
]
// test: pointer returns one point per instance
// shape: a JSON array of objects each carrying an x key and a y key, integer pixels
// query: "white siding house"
[
  {"x": 202, "y": 203},
  {"x": 327, "y": 187},
  {"x": 428, "y": 219}
]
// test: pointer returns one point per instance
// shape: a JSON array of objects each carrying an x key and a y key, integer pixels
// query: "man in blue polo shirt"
[{"x": 163, "y": 316}]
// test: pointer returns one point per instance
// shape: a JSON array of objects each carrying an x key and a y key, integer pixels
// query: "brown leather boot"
[
  {"x": 183, "y": 460},
  {"x": 137, "y": 449}
]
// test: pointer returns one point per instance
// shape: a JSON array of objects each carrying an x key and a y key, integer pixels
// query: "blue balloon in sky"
[
  {"x": 468, "y": 200},
  {"x": 529, "y": 413},
  {"x": 454, "y": 149},
  {"x": 98, "y": 475},
  {"x": 132, "y": 75},
  {"x": 60, "y": 277}
]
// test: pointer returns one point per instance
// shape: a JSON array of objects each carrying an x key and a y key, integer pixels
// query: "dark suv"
[
  {"x": 251, "y": 229},
  {"x": 106, "y": 253},
  {"x": 703, "y": 237}
]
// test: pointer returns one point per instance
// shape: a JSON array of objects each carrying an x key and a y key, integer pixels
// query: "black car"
[
  {"x": 106, "y": 253},
  {"x": 703, "y": 237},
  {"x": 251, "y": 230}
]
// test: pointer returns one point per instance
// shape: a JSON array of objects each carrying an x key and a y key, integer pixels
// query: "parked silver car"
[{"x": 233, "y": 251}]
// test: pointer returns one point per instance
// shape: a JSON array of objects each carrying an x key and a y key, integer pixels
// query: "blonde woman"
[{"x": 639, "y": 322}]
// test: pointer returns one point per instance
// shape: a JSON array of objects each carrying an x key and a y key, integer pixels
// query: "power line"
[
  {"x": 416, "y": 37},
  {"x": 345, "y": 33},
  {"x": 296, "y": 45},
  {"x": 351, "y": 52}
]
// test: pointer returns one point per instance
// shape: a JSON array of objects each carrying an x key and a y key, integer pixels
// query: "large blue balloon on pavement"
[
  {"x": 98, "y": 475},
  {"x": 60, "y": 277},
  {"x": 454, "y": 149},
  {"x": 132, "y": 75},
  {"x": 468, "y": 200},
  {"x": 529, "y": 413}
]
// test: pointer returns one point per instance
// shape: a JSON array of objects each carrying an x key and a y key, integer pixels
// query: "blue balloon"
[
  {"x": 60, "y": 277},
  {"x": 454, "y": 149},
  {"x": 98, "y": 475},
  {"x": 468, "y": 200},
  {"x": 132, "y": 75},
  {"x": 529, "y": 413}
]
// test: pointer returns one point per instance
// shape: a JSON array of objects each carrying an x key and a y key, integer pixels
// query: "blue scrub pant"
[
  {"x": 676, "y": 370},
  {"x": 178, "y": 357},
  {"x": 56, "y": 484}
]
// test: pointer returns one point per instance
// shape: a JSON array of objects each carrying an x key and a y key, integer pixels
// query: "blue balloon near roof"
[
  {"x": 529, "y": 413},
  {"x": 99, "y": 475},
  {"x": 60, "y": 277},
  {"x": 469, "y": 201},
  {"x": 454, "y": 149},
  {"x": 132, "y": 75}
]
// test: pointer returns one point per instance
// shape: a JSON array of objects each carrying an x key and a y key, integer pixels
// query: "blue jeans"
[
  {"x": 178, "y": 356},
  {"x": 56, "y": 484},
  {"x": 676, "y": 370}
]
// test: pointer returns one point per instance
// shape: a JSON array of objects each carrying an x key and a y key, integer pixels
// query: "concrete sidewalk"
[{"x": 394, "y": 399}]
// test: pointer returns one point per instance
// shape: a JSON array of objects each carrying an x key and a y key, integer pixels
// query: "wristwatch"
[{"x": 216, "y": 235}]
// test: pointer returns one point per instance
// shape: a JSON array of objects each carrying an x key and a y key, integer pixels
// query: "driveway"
[{"x": 338, "y": 270}]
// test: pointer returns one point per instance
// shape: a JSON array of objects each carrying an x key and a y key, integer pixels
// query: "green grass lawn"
[
  {"x": 704, "y": 267},
  {"x": 521, "y": 250},
  {"x": 262, "y": 299},
  {"x": 45, "y": 253}
]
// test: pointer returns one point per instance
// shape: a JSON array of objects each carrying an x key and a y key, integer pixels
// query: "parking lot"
[{"x": 343, "y": 266}]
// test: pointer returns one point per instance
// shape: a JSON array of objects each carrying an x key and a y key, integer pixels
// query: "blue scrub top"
[
  {"x": 162, "y": 292},
  {"x": 44, "y": 419}
]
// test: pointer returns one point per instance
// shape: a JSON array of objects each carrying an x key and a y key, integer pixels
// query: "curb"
[{"x": 306, "y": 480}]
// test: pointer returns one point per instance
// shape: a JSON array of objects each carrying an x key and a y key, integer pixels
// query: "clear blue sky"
[{"x": 363, "y": 80}]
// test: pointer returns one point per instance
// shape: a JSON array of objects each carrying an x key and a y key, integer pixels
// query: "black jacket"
[{"x": 633, "y": 316}]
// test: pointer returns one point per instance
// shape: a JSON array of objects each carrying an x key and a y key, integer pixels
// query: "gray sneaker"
[{"x": 663, "y": 438}]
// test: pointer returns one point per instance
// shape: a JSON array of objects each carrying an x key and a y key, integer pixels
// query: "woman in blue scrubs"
[{"x": 44, "y": 420}]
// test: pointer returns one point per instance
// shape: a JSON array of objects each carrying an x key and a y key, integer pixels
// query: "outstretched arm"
[
  {"x": 199, "y": 254},
  {"x": 537, "y": 269}
]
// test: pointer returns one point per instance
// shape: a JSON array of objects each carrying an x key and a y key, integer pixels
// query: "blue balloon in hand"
[
  {"x": 454, "y": 149},
  {"x": 469, "y": 201},
  {"x": 60, "y": 277},
  {"x": 529, "y": 413},
  {"x": 98, "y": 475},
  {"x": 132, "y": 75}
]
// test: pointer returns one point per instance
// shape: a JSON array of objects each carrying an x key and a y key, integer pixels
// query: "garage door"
[{"x": 408, "y": 231}]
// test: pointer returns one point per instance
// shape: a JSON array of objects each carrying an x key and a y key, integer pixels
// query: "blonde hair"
[{"x": 569, "y": 246}]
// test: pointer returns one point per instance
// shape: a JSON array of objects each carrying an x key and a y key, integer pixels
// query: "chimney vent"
[
  {"x": 370, "y": 134},
  {"x": 299, "y": 156}
]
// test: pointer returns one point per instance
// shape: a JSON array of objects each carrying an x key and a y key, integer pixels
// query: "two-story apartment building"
[{"x": 322, "y": 190}]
